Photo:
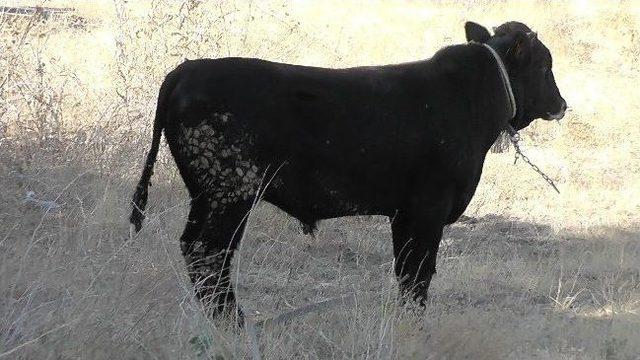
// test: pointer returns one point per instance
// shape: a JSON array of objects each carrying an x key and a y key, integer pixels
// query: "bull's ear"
[{"x": 476, "y": 32}]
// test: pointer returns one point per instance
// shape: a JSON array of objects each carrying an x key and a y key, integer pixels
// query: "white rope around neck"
[{"x": 505, "y": 80}]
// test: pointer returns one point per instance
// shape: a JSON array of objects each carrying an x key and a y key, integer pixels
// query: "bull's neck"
[{"x": 505, "y": 90}]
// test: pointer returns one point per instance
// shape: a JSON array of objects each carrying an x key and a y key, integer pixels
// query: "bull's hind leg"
[
  {"x": 214, "y": 158},
  {"x": 208, "y": 244}
]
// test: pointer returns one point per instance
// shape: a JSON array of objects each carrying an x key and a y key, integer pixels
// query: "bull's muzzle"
[{"x": 558, "y": 115}]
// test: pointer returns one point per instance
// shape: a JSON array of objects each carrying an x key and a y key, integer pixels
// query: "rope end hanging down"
[{"x": 514, "y": 137}]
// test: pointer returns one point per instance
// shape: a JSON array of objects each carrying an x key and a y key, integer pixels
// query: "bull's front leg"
[{"x": 417, "y": 232}]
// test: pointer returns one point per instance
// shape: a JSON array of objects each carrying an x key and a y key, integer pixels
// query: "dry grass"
[{"x": 533, "y": 275}]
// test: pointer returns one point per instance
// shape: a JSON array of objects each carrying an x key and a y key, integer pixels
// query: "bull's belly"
[
  {"x": 223, "y": 163},
  {"x": 312, "y": 198}
]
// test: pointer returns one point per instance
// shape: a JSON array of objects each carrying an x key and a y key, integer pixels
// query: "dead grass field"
[{"x": 531, "y": 274}]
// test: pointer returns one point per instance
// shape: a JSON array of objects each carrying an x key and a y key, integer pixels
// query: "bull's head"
[{"x": 528, "y": 62}]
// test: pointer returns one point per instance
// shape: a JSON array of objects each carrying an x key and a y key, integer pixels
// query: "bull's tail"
[{"x": 139, "y": 200}]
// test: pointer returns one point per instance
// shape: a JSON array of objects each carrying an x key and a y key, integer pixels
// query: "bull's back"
[{"x": 294, "y": 110}]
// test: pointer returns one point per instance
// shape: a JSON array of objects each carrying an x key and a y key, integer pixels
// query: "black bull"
[{"x": 407, "y": 141}]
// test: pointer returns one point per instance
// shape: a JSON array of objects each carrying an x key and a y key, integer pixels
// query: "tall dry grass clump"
[{"x": 530, "y": 274}]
